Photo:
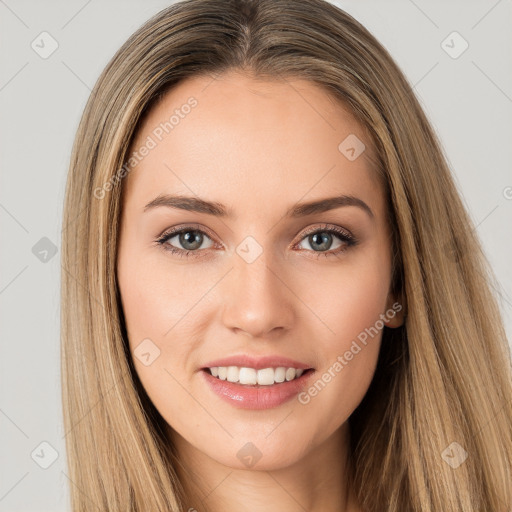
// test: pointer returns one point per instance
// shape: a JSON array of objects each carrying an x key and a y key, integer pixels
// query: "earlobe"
[
  {"x": 396, "y": 321},
  {"x": 395, "y": 313}
]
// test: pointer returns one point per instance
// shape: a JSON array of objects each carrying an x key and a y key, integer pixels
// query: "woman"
[{"x": 274, "y": 297}]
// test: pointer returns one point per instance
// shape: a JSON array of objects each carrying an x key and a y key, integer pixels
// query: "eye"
[
  {"x": 320, "y": 239},
  {"x": 190, "y": 239}
]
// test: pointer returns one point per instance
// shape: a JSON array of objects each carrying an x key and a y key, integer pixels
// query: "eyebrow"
[{"x": 195, "y": 204}]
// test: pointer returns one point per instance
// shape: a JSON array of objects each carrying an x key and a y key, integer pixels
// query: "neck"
[{"x": 317, "y": 482}]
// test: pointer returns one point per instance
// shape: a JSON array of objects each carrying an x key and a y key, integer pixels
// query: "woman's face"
[{"x": 259, "y": 273}]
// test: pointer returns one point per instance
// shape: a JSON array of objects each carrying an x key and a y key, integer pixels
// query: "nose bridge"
[{"x": 258, "y": 300}]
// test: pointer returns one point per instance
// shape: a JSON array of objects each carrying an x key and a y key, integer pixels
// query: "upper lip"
[{"x": 257, "y": 363}]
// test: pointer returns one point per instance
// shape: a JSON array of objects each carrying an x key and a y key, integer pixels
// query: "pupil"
[
  {"x": 325, "y": 239},
  {"x": 191, "y": 237}
]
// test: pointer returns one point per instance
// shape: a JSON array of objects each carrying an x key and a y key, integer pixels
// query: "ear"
[{"x": 395, "y": 312}]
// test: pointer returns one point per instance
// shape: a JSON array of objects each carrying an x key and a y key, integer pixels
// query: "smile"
[
  {"x": 252, "y": 376},
  {"x": 250, "y": 381}
]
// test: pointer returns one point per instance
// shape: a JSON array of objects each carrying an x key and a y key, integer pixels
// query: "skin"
[{"x": 258, "y": 147}]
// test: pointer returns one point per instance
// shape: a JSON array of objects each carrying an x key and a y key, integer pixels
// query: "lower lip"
[{"x": 256, "y": 397}]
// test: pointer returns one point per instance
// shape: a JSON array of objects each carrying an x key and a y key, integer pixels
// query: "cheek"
[
  {"x": 156, "y": 298},
  {"x": 166, "y": 310},
  {"x": 349, "y": 302},
  {"x": 158, "y": 303},
  {"x": 346, "y": 300}
]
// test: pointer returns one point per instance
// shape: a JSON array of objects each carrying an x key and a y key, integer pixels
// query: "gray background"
[{"x": 468, "y": 99}]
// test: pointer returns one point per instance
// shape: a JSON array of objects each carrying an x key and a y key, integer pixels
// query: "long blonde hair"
[{"x": 443, "y": 377}]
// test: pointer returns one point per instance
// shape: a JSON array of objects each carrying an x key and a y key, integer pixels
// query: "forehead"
[{"x": 239, "y": 140}]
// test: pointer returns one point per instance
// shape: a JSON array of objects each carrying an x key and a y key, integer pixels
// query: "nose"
[{"x": 259, "y": 297}]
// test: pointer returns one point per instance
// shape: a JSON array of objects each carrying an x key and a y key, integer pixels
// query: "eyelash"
[{"x": 343, "y": 235}]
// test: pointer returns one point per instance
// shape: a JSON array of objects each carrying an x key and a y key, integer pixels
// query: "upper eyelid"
[{"x": 329, "y": 227}]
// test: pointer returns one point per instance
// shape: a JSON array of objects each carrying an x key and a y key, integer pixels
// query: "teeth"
[
  {"x": 233, "y": 374},
  {"x": 251, "y": 376},
  {"x": 280, "y": 374},
  {"x": 290, "y": 374},
  {"x": 248, "y": 376},
  {"x": 265, "y": 377}
]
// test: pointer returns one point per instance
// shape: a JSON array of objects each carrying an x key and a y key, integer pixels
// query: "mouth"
[
  {"x": 255, "y": 382},
  {"x": 257, "y": 378}
]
